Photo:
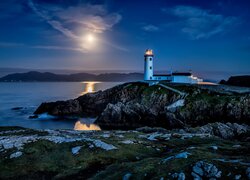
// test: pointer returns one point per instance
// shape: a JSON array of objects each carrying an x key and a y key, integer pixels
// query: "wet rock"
[{"x": 205, "y": 170}]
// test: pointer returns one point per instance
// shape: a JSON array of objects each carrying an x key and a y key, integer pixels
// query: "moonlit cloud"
[
  {"x": 198, "y": 23},
  {"x": 94, "y": 18},
  {"x": 89, "y": 18}
]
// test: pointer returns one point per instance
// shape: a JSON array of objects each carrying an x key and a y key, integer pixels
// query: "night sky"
[{"x": 203, "y": 36}]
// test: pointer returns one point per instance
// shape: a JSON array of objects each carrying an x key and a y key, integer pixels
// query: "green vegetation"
[{"x": 142, "y": 158}]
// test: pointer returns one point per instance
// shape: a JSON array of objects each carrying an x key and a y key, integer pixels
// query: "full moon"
[
  {"x": 88, "y": 42},
  {"x": 90, "y": 38}
]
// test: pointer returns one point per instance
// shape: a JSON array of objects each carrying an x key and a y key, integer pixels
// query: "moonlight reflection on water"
[
  {"x": 89, "y": 87},
  {"x": 86, "y": 127}
]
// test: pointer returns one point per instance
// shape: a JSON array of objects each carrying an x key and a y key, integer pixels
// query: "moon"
[
  {"x": 90, "y": 38},
  {"x": 88, "y": 41}
]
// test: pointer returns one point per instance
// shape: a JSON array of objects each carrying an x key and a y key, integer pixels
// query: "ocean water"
[{"x": 26, "y": 97}]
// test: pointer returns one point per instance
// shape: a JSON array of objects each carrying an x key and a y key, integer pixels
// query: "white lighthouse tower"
[{"x": 148, "y": 65}]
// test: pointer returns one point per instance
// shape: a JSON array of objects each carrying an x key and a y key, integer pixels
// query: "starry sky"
[{"x": 207, "y": 37}]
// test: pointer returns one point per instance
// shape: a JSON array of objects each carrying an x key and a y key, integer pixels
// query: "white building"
[{"x": 177, "y": 77}]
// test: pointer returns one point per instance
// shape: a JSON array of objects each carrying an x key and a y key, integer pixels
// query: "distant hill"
[
  {"x": 243, "y": 81},
  {"x": 34, "y": 76}
]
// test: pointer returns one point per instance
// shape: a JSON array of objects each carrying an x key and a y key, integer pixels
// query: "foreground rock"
[
  {"x": 155, "y": 154},
  {"x": 133, "y": 105}
]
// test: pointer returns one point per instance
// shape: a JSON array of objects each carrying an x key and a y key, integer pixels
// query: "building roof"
[
  {"x": 182, "y": 74},
  {"x": 162, "y": 74}
]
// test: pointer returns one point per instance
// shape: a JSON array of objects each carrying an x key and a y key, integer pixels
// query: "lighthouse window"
[
  {"x": 150, "y": 59},
  {"x": 150, "y": 67},
  {"x": 150, "y": 77}
]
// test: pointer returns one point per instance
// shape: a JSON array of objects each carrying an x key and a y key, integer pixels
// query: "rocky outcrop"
[
  {"x": 205, "y": 170},
  {"x": 225, "y": 131},
  {"x": 136, "y": 104},
  {"x": 243, "y": 81}
]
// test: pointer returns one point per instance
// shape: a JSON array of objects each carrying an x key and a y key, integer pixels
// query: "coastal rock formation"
[
  {"x": 243, "y": 81},
  {"x": 137, "y": 104}
]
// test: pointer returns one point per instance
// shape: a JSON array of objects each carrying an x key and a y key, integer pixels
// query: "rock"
[
  {"x": 33, "y": 117},
  {"x": 127, "y": 176},
  {"x": 205, "y": 170},
  {"x": 178, "y": 176},
  {"x": 103, "y": 145},
  {"x": 182, "y": 155},
  {"x": 152, "y": 137},
  {"x": 128, "y": 142},
  {"x": 213, "y": 147},
  {"x": 16, "y": 154},
  {"x": 236, "y": 146},
  {"x": 225, "y": 131},
  {"x": 75, "y": 150},
  {"x": 16, "y": 108},
  {"x": 248, "y": 172},
  {"x": 135, "y": 104},
  {"x": 173, "y": 107},
  {"x": 237, "y": 177}
]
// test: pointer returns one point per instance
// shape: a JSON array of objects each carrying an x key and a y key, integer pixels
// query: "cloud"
[
  {"x": 10, "y": 44},
  {"x": 87, "y": 17},
  {"x": 57, "y": 48},
  {"x": 55, "y": 24},
  {"x": 198, "y": 23},
  {"x": 93, "y": 18},
  {"x": 13, "y": 45},
  {"x": 150, "y": 28}
]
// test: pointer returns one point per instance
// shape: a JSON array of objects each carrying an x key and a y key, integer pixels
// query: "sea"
[{"x": 18, "y": 101}]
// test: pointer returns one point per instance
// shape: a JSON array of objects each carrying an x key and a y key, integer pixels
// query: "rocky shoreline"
[
  {"x": 136, "y": 104},
  {"x": 179, "y": 132},
  {"x": 213, "y": 151}
]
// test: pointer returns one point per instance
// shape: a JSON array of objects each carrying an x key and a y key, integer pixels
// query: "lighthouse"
[
  {"x": 148, "y": 65},
  {"x": 176, "y": 77}
]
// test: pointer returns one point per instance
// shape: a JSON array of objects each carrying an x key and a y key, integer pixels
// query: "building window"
[
  {"x": 150, "y": 67},
  {"x": 151, "y": 77}
]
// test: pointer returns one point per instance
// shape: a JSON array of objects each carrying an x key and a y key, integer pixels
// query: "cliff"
[{"x": 136, "y": 104}]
